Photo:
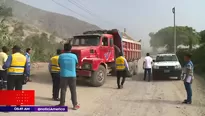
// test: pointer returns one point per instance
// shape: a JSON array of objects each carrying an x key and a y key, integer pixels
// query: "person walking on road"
[
  {"x": 27, "y": 54},
  {"x": 147, "y": 66},
  {"x": 67, "y": 62},
  {"x": 3, "y": 72},
  {"x": 16, "y": 64},
  {"x": 121, "y": 68},
  {"x": 188, "y": 78},
  {"x": 55, "y": 74}
]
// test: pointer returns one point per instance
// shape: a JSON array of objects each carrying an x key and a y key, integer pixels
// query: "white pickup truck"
[{"x": 165, "y": 66}]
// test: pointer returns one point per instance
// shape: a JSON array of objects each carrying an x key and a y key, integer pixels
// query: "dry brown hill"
[{"x": 65, "y": 26}]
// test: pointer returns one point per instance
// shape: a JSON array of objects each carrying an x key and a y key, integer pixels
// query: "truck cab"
[
  {"x": 89, "y": 46},
  {"x": 96, "y": 52}
]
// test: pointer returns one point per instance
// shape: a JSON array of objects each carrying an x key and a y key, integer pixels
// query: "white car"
[{"x": 165, "y": 66}]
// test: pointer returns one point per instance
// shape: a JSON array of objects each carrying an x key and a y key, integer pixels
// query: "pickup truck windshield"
[
  {"x": 86, "y": 40},
  {"x": 166, "y": 58}
]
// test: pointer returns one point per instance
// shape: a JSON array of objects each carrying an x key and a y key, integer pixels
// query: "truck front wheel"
[{"x": 98, "y": 77}]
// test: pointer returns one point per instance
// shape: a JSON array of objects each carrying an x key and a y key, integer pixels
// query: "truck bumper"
[
  {"x": 166, "y": 73},
  {"x": 84, "y": 73}
]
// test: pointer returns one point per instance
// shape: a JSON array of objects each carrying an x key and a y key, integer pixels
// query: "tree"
[
  {"x": 52, "y": 37},
  {"x": 202, "y": 34},
  {"x": 18, "y": 30},
  {"x": 42, "y": 46},
  {"x": 5, "y": 11},
  {"x": 165, "y": 37}
]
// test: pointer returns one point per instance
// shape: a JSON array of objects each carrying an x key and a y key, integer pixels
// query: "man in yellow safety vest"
[
  {"x": 17, "y": 67},
  {"x": 121, "y": 69},
  {"x": 55, "y": 73},
  {"x": 3, "y": 72}
]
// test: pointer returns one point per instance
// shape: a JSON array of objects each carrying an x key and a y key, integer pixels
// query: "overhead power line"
[
  {"x": 85, "y": 10},
  {"x": 82, "y": 7},
  {"x": 70, "y": 9}
]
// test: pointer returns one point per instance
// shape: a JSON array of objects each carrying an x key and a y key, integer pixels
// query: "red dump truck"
[{"x": 97, "y": 50}]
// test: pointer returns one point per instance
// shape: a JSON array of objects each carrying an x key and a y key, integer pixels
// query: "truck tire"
[
  {"x": 135, "y": 69},
  {"x": 131, "y": 67},
  {"x": 98, "y": 77}
]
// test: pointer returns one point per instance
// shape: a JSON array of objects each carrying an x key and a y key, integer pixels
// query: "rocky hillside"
[{"x": 64, "y": 26}]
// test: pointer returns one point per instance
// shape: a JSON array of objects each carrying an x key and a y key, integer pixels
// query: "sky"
[{"x": 139, "y": 17}]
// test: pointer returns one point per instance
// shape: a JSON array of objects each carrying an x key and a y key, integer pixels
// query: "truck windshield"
[
  {"x": 86, "y": 40},
  {"x": 166, "y": 58}
]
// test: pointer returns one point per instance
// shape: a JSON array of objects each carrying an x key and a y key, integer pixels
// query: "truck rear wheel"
[
  {"x": 135, "y": 68},
  {"x": 131, "y": 67},
  {"x": 98, "y": 77}
]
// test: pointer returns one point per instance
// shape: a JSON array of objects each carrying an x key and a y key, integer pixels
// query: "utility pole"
[{"x": 175, "y": 44}]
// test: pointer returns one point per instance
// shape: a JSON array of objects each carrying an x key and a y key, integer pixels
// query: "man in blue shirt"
[
  {"x": 188, "y": 74},
  {"x": 67, "y": 62},
  {"x": 27, "y": 54}
]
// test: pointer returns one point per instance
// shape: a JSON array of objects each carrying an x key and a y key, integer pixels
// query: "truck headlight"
[
  {"x": 155, "y": 67},
  {"x": 178, "y": 67},
  {"x": 86, "y": 66}
]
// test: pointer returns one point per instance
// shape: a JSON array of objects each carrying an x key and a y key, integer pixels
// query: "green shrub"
[
  {"x": 180, "y": 54},
  {"x": 198, "y": 57}
]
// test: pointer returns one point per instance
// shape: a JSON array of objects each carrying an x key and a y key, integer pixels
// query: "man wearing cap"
[
  {"x": 16, "y": 65},
  {"x": 54, "y": 69},
  {"x": 3, "y": 72}
]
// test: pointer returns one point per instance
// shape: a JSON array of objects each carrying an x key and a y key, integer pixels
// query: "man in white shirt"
[{"x": 147, "y": 66}]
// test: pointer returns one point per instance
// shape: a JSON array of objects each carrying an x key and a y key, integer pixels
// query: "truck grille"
[{"x": 166, "y": 67}]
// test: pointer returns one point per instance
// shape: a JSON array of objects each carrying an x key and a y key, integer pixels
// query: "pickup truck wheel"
[
  {"x": 154, "y": 76},
  {"x": 98, "y": 77},
  {"x": 179, "y": 77}
]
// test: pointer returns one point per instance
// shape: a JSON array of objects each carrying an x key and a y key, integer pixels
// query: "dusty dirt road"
[{"x": 138, "y": 98}]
